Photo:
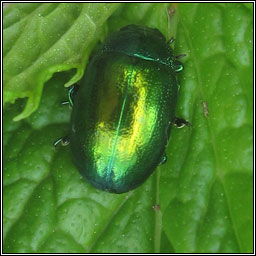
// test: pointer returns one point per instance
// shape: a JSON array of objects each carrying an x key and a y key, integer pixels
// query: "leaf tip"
[{"x": 31, "y": 106}]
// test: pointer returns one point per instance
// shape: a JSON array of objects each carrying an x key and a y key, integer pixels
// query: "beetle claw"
[
  {"x": 180, "y": 122},
  {"x": 63, "y": 140}
]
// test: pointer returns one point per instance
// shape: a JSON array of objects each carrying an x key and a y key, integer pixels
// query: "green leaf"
[
  {"x": 207, "y": 190},
  {"x": 41, "y": 39},
  {"x": 201, "y": 200}
]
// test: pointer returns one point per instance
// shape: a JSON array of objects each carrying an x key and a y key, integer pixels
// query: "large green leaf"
[
  {"x": 41, "y": 39},
  {"x": 201, "y": 200}
]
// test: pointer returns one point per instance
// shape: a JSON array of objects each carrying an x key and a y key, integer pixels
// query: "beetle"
[{"x": 124, "y": 109}]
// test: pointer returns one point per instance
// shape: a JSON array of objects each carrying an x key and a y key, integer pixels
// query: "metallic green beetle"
[{"x": 124, "y": 109}]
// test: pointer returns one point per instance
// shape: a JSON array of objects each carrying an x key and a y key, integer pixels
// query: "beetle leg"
[
  {"x": 178, "y": 84},
  {"x": 180, "y": 122},
  {"x": 171, "y": 40},
  {"x": 65, "y": 103},
  {"x": 180, "y": 56},
  {"x": 71, "y": 94},
  {"x": 63, "y": 140},
  {"x": 163, "y": 159},
  {"x": 178, "y": 66},
  {"x": 72, "y": 91}
]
